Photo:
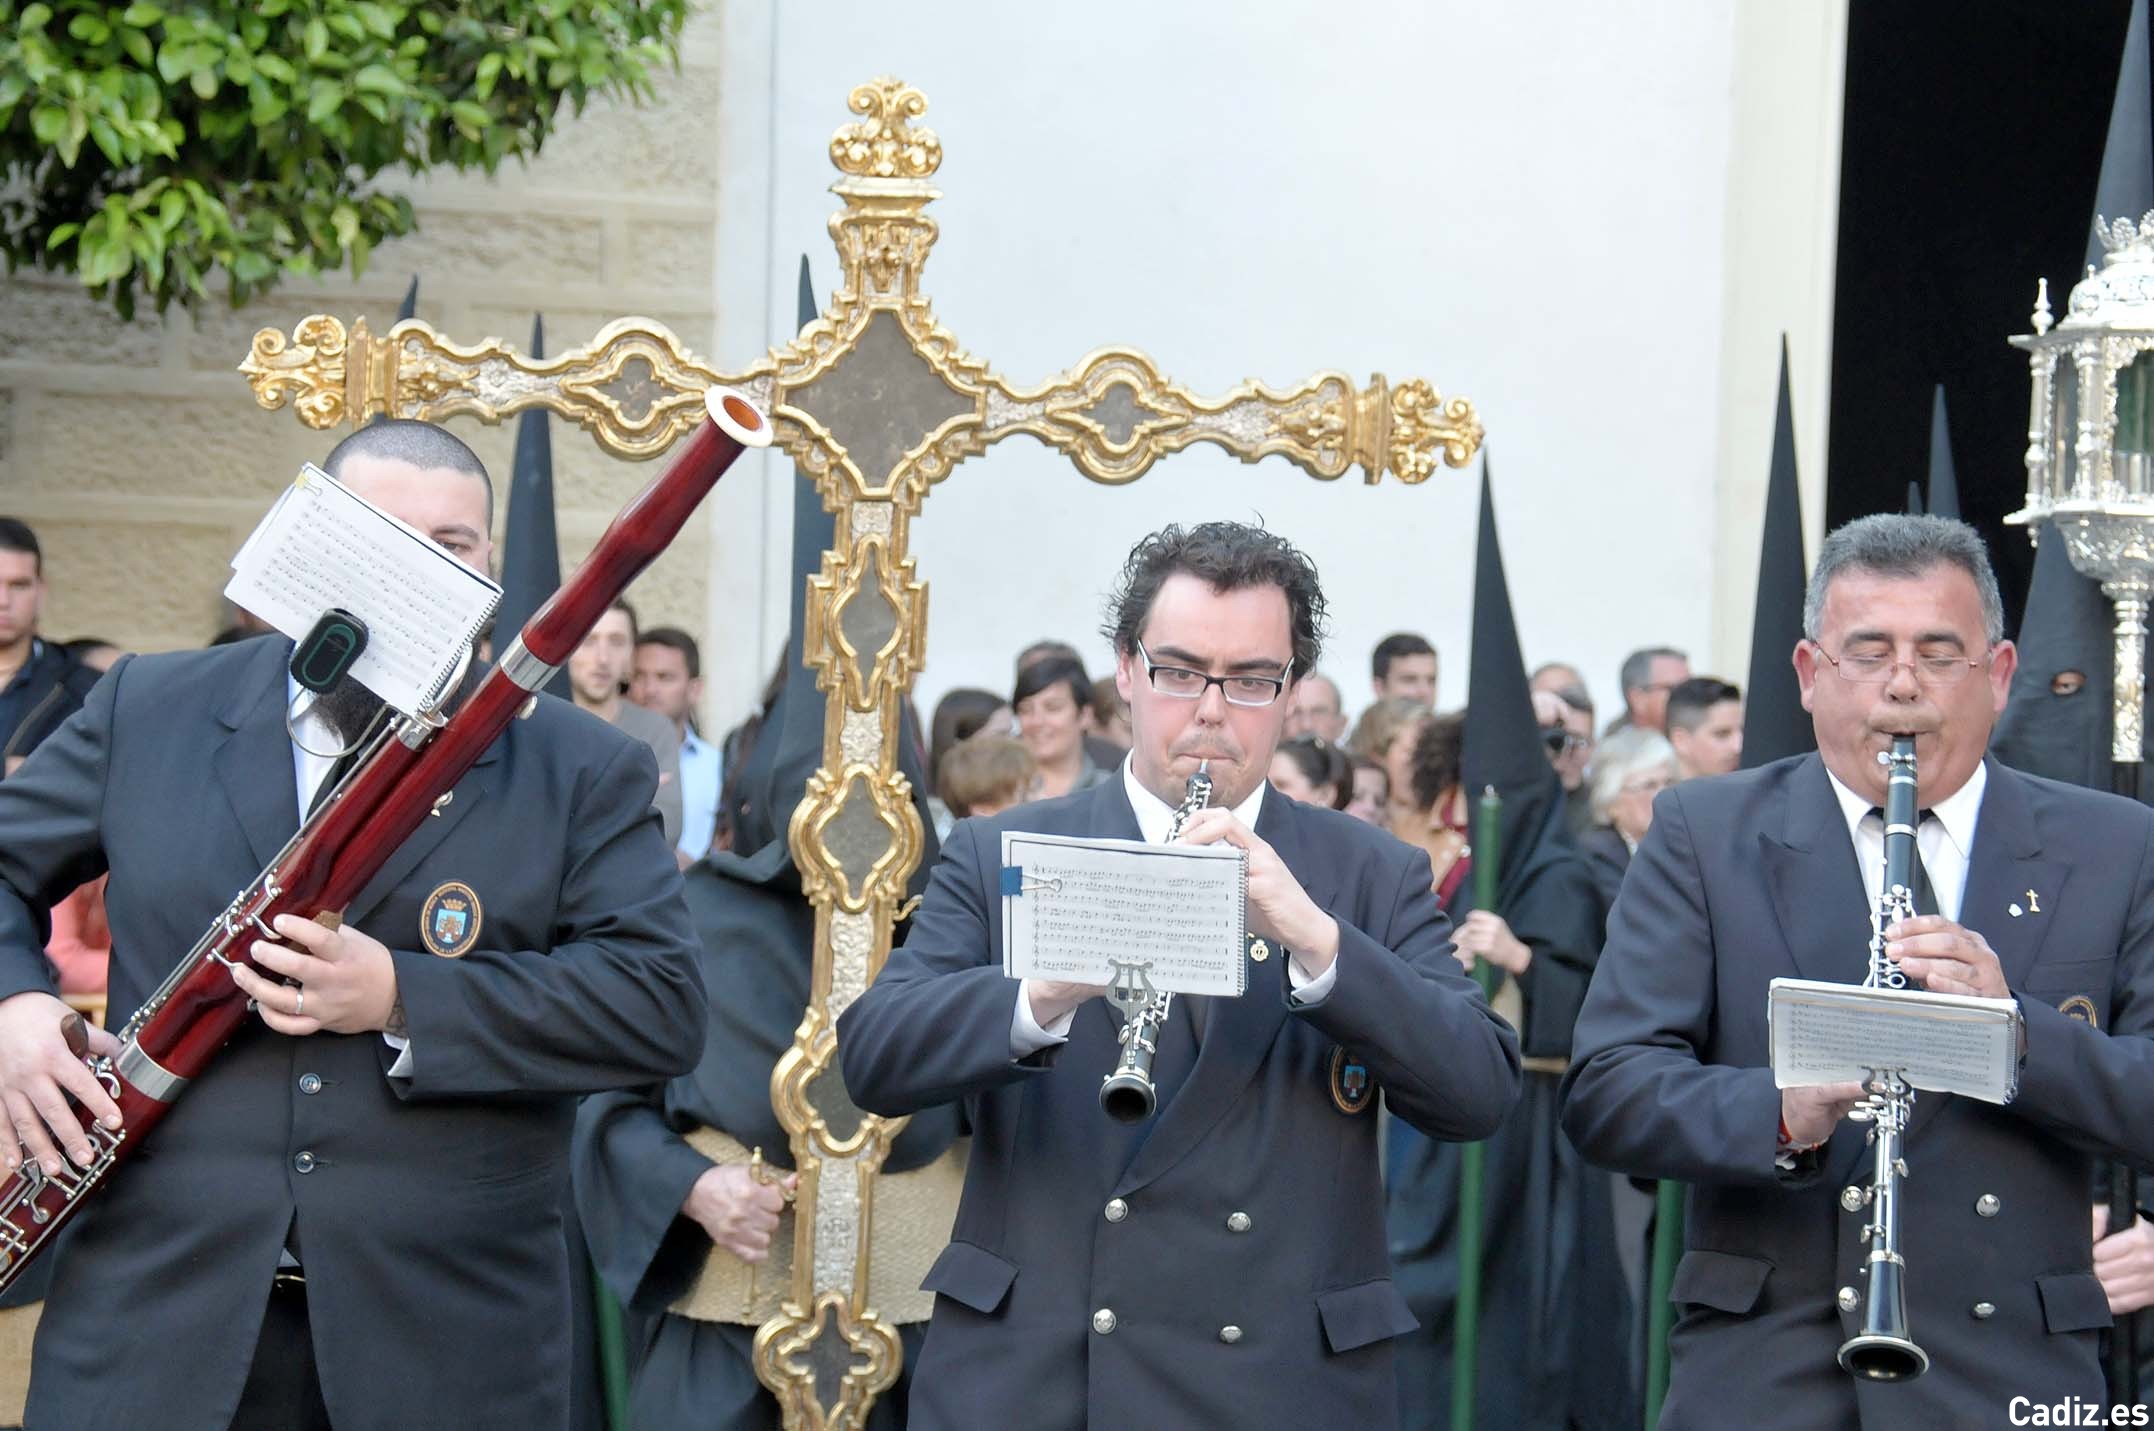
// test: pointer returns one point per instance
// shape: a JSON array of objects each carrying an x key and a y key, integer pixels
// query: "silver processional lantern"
[{"x": 2090, "y": 450}]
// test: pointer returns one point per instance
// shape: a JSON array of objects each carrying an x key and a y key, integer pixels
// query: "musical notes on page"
[
  {"x": 1073, "y": 906},
  {"x": 1823, "y": 1032},
  {"x": 323, "y": 546}
]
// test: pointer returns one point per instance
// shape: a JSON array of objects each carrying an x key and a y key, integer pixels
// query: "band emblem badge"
[
  {"x": 1352, "y": 1089},
  {"x": 2079, "y": 1007},
  {"x": 449, "y": 920}
]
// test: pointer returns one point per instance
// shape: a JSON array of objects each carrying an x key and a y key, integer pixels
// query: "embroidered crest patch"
[
  {"x": 449, "y": 920},
  {"x": 1352, "y": 1089},
  {"x": 2079, "y": 1007}
]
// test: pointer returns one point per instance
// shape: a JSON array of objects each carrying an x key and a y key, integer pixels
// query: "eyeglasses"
[
  {"x": 1875, "y": 668},
  {"x": 1183, "y": 684}
]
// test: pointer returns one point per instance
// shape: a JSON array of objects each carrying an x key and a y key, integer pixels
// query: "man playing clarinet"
[
  {"x": 353, "y": 1217},
  {"x": 1222, "y": 1261},
  {"x": 2024, "y": 889}
]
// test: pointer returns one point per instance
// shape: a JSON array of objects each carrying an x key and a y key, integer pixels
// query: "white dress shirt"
[
  {"x": 1154, "y": 818},
  {"x": 315, "y": 748},
  {"x": 1946, "y": 843}
]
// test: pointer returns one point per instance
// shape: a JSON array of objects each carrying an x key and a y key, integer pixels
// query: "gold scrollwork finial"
[
  {"x": 885, "y": 145},
  {"x": 306, "y": 370},
  {"x": 1421, "y": 424}
]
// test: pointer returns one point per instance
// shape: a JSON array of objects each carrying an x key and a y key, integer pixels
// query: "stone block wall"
[{"x": 136, "y": 451}]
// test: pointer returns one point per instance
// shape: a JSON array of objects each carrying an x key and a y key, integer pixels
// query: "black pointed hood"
[
  {"x": 409, "y": 308},
  {"x": 530, "y": 548},
  {"x": 1502, "y": 742},
  {"x": 2067, "y": 628},
  {"x": 1774, "y": 722},
  {"x": 2126, "y": 187},
  {"x": 1944, "y": 477}
]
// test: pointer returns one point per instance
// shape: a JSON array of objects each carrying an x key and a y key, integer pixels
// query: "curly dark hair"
[
  {"x": 1228, "y": 556},
  {"x": 1439, "y": 755}
]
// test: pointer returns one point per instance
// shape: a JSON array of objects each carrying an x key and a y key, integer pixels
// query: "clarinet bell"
[{"x": 1127, "y": 1096}]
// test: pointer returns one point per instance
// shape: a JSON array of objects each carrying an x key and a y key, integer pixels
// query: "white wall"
[{"x": 1528, "y": 208}]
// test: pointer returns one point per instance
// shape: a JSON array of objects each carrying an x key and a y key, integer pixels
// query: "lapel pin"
[
  {"x": 441, "y": 801},
  {"x": 2034, "y": 903},
  {"x": 2014, "y": 910},
  {"x": 1259, "y": 950}
]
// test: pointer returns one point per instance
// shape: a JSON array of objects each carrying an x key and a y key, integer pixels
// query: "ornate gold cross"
[{"x": 877, "y": 402}]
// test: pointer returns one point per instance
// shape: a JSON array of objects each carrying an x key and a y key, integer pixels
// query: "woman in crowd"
[
  {"x": 1629, "y": 769},
  {"x": 1312, "y": 770},
  {"x": 1052, "y": 700},
  {"x": 1372, "y": 791}
]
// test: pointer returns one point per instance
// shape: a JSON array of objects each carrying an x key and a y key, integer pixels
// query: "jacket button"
[
  {"x": 1103, "y": 1320},
  {"x": 1237, "y": 1222},
  {"x": 1988, "y": 1205},
  {"x": 1983, "y": 1311},
  {"x": 1117, "y": 1210},
  {"x": 303, "y": 1162},
  {"x": 1230, "y": 1334},
  {"x": 1849, "y": 1299},
  {"x": 1851, "y": 1199},
  {"x": 310, "y": 1083}
]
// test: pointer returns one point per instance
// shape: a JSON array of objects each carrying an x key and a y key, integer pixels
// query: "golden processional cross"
[{"x": 877, "y": 402}]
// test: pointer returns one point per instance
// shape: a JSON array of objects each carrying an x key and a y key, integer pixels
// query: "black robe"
[
  {"x": 1554, "y": 1348},
  {"x": 633, "y": 1169}
]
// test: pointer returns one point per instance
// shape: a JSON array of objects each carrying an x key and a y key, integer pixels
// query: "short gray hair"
[
  {"x": 1637, "y": 672},
  {"x": 1628, "y": 752},
  {"x": 1896, "y": 545}
]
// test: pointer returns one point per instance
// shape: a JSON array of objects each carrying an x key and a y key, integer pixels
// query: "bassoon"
[{"x": 405, "y": 768}]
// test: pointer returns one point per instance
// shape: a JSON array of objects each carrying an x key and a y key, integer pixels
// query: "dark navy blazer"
[
  {"x": 1238, "y": 1239},
  {"x": 427, "y": 1209},
  {"x": 1747, "y": 877}
]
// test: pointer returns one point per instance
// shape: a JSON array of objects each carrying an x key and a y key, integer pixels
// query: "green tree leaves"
[{"x": 148, "y": 147}]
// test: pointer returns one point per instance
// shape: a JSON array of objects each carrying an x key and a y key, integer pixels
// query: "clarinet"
[
  {"x": 1127, "y": 1094},
  {"x": 406, "y": 768},
  {"x": 1883, "y": 1350}
]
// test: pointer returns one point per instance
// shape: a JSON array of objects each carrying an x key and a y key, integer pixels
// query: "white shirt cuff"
[
  {"x": 1027, "y": 1037},
  {"x": 402, "y": 1067},
  {"x": 1305, "y": 990}
]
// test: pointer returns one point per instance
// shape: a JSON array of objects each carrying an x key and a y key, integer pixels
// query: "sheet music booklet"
[
  {"x": 1071, "y": 906},
  {"x": 1822, "y": 1032},
  {"x": 323, "y": 545}
]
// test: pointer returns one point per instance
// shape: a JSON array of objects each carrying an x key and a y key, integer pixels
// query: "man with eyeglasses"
[
  {"x": 1222, "y": 1263},
  {"x": 2035, "y": 890}
]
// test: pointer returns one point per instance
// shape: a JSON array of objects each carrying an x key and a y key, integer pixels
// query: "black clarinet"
[{"x": 1127, "y": 1094}]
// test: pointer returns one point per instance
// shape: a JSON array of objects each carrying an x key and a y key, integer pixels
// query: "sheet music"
[
  {"x": 1071, "y": 906},
  {"x": 1944, "y": 1043},
  {"x": 323, "y": 545}
]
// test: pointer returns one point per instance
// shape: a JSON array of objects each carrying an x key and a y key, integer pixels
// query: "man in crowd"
[
  {"x": 598, "y": 675},
  {"x": 41, "y": 685},
  {"x": 668, "y": 680},
  {"x": 2035, "y": 892},
  {"x": 1648, "y": 675},
  {"x": 353, "y": 1214},
  {"x": 1404, "y": 664},
  {"x": 1222, "y": 1263},
  {"x": 1565, "y": 716},
  {"x": 1705, "y": 725},
  {"x": 1318, "y": 710}
]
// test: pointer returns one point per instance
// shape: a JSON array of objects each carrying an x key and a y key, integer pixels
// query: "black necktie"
[{"x": 1925, "y": 897}]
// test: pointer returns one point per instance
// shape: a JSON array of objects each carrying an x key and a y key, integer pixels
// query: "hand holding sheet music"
[{"x": 1071, "y": 907}]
